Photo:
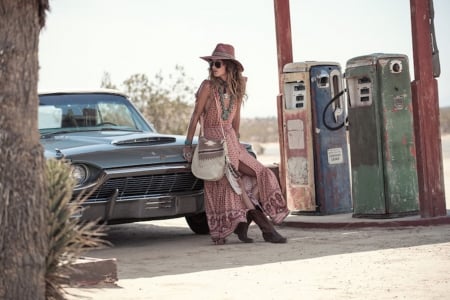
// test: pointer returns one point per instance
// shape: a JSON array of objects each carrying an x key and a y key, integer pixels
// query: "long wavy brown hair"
[{"x": 235, "y": 81}]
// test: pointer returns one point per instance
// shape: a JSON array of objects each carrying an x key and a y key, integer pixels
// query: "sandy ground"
[{"x": 165, "y": 260}]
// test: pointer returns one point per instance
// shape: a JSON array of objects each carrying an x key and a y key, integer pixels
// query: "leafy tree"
[
  {"x": 106, "y": 82},
  {"x": 23, "y": 213},
  {"x": 164, "y": 102},
  {"x": 167, "y": 102}
]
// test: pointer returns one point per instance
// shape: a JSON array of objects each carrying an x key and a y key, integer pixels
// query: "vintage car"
[{"x": 128, "y": 170}]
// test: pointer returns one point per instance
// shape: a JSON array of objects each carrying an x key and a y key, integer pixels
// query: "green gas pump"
[{"x": 381, "y": 133}]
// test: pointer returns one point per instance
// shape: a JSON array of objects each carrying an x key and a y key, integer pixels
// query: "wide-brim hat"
[{"x": 223, "y": 52}]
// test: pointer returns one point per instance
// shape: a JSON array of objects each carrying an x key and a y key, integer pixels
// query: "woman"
[{"x": 219, "y": 101}]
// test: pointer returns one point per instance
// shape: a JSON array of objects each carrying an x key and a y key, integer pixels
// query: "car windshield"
[{"x": 87, "y": 112}]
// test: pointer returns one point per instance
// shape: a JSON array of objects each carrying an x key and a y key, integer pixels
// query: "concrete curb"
[
  {"x": 297, "y": 222},
  {"x": 87, "y": 271},
  {"x": 331, "y": 222}
]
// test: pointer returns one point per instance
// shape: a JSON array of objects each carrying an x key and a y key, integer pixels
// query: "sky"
[{"x": 83, "y": 39}]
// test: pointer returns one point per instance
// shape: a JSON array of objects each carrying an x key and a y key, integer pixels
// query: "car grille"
[{"x": 147, "y": 185}]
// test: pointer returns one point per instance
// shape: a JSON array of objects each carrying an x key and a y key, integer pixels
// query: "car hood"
[{"x": 112, "y": 149}]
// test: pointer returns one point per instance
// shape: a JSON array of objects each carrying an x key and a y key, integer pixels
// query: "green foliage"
[
  {"x": 68, "y": 238},
  {"x": 106, "y": 82},
  {"x": 164, "y": 100}
]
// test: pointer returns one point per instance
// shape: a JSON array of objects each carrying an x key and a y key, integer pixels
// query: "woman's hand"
[{"x": 187, "y": 153}]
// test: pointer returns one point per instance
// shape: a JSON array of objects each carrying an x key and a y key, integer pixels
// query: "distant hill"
[
  {"x": 259, "y": 130},
  {"x": 265, "y": 130}
]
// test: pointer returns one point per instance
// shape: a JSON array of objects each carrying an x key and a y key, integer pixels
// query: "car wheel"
[{"x": 198, "y": 223}]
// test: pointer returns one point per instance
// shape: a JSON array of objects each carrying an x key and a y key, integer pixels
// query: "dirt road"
[{"x": 164, "y": 260}]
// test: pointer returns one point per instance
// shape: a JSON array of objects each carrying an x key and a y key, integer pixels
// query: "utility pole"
[
  {"x": 426, "y": 112},
  {"x": 284, "y": 54},
  {"x": 284, "y": 38}
]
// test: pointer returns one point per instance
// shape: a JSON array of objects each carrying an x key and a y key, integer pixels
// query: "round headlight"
[{"x": 79, "y": 173}]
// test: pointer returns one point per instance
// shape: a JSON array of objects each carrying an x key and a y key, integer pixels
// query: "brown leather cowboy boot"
[
  {"x": 242, "y": 229},
  {"x": 269, "y": 232}
]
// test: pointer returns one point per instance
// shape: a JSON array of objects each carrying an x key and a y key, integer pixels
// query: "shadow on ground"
[{"x": 147, "y": 249}]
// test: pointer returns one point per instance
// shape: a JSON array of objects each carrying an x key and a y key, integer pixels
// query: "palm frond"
[{"x": 68, "y": 238}]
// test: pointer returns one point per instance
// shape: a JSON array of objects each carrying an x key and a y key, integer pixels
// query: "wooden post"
[
  {"x": 284, "y": 53},
  {"x": 426, "y": 115},
  {"x": 284, "y": 38}
]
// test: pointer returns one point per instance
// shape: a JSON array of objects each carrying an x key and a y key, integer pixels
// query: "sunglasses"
[{"x": 217, "y": 64}]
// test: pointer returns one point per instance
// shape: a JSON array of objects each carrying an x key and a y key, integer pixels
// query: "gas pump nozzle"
[{"x": 337, "y": 112}]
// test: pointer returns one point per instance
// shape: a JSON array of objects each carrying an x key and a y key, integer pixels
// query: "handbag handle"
[{"x": 216, "y": 97}]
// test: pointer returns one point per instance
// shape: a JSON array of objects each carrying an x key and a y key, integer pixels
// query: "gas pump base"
[
  {"x": 386, "y": 215},
  {"x": 347, "y": 221},
  {"x": 315, "y": 213}
]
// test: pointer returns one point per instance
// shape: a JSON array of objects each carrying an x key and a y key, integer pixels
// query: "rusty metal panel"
[
  {"x": 296, "y": 151},
  {"x": 283, "y": 36},
  {"x": 383, "y": 158}
]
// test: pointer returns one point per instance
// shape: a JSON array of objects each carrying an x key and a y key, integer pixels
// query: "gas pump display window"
[
  {"x": 365, "y": 94},
  {"x": 299, "y": 87},
  {"x": 360, "y": 91},
  {"x": 364, "y": 86},
  {"x": 298, "y": 98}
]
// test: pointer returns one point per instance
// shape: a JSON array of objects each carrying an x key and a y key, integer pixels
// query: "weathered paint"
[
  {"x": 296, "y": 153},
  {"x": 284, "y": 56},
  {"x": 426, "y": 114},
  {"x": 331, "y": 157},
  {"x": 384, "y": 173},
  {"x": 283, "y": 36},
  {"x": 424, "y": 94},
  {"x": 315, "y": 159},
  {"x": 282, "y": 167}
]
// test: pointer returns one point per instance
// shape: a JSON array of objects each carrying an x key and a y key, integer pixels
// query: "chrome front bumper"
[{"x": 115, "y": 210}]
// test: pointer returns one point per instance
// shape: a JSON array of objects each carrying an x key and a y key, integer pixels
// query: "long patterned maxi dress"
[{"x": 224, "y": 208}]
